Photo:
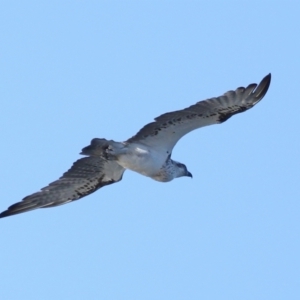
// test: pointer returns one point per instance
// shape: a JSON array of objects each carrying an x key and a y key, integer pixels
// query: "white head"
[{"x": 181, "y": 170}]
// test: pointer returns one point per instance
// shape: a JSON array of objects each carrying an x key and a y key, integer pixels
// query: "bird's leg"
[
  {"x": 109, "y": 152},
  {"x": 115, "y": 149}
]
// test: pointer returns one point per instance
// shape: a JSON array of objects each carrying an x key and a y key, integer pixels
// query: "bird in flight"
[{"x": 148, "y": 152}]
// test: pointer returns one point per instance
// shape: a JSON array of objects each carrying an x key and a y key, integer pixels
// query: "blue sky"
[{"x": 75, "y": 70}]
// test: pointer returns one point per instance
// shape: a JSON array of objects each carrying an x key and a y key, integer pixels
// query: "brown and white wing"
[
  {"x": 168, "y": 128},
  {"x": 87, "y": 175}
]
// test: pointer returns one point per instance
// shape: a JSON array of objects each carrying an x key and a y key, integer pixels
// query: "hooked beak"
[{"x": 189, "y": 174}]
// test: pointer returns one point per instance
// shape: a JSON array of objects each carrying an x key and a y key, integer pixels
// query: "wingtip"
[
  {"x": 18, "y": 208},
  {"x": 268, "y": 78},
  {"x": 263, "y": 87},
  {"x": 6, "y": 213}
]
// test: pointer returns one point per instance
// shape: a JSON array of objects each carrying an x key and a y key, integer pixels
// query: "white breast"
[{"x": 142, "y": 160}]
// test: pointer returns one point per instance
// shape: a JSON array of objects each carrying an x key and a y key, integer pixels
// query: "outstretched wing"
[
  {"x": 164, "y": 133},
  {"x": 87, "y": 175}
]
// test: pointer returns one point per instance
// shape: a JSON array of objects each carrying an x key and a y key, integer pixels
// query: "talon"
[
  {"x": 109, "y": 149},
  {"x": 108, "y": 152}
]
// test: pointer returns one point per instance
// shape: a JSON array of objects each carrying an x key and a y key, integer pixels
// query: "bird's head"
[{"x": 182, "y": 170}]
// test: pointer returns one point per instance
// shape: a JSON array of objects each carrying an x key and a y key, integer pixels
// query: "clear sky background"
[{"x": 75, "y": 70}]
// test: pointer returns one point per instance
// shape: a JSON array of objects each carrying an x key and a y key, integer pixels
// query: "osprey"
[{"x": 148, "y": 152}]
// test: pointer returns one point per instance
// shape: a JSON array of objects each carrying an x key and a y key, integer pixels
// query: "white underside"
[{"x": 140, "y": 159}]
